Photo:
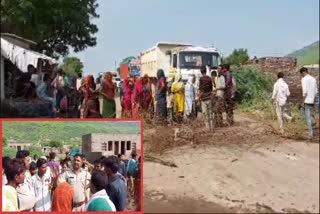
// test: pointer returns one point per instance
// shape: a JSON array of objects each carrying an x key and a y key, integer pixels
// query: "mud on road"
[{"x": 246, "y": 167}]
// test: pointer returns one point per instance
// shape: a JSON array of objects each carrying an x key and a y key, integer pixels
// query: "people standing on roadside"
[
  {"x": 35, "y": 158},
  {"x": 219, "y": 86},
  {"x": 126, "y": 97},
  {"x": 190, "y": 96},
  {"x": 169, "y": 101},
  {"x": 309, "y": 93},
  {"x": 122, "y": 166},
  {"x": 62, "y": 198},
  {"x": 79, "y": 179},
  {"x": 25, "y": 196},
  {"x": 5, "y": 161},
  {"x": 205, "y": 93},
  {"x": 116, "y": 187},
  {"x": 91, "y": 109},
  {"x": 229, "y": 93},
  {"x": 67, "y": 159},
  {"x": 108, "y": 90},
  {"x": 41, "y": 185},
  {"x": 99, "y": 200},
  {"x": 137, "y": 184},
  {"x": 178, "y": 98},
  {"x": 64, "y": 166},
  {"x": 279, "y": 97},
  {"x": 161, "y": 95},
  {"x": 130, "y": 171},
  {"x": 53, "y": 164},
  {"x": 33, "y": 168},
  {"x": 15, "y": 174}
]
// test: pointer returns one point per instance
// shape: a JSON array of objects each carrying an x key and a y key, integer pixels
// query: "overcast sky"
[{"x": 265, "y": 27}]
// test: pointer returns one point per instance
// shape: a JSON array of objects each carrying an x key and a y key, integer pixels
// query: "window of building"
[
  {"x": 110, "y": 145},
  {"x": 104, "y": 146}
]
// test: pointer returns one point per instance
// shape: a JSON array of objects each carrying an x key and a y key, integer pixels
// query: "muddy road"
[{"x": 243, "y": 168}]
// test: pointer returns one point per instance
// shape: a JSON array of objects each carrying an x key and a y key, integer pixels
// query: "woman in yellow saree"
[{"x": 178, "y": 99}]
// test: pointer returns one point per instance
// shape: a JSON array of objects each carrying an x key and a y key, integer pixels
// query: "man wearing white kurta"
[
  {"x": 279, "y": 96},
  {"x": 309, "y": 93}
]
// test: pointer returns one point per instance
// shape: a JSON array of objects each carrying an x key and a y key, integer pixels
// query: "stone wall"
[{"x": 276, "y": 64}]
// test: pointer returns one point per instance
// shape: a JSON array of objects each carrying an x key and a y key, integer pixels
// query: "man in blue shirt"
[{"x": 116, "y": 187}]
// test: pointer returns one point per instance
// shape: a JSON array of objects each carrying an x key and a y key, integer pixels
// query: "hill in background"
[
  {"x": 307, "y": 55},
  {"x": 40, "y": 131}
]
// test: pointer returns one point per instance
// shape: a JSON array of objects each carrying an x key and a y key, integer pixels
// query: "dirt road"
[{"x": 238, "y": 169}]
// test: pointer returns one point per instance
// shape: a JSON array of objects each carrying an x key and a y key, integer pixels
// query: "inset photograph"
[{"x": 71, "y": 166}]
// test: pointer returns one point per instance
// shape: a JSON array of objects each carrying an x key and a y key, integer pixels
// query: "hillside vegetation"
[
  {"x": 307, "y": 55},
  {"x": 35, "y": 131}
]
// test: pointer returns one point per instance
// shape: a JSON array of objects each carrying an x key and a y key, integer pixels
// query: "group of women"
[{"x": 142, "y": 97}]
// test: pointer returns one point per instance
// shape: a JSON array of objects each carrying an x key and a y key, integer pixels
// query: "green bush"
[
  {"x": 34, "y": 150},
  {"x": 253, "y": 86},
  {"x": 10, "y": 152}
]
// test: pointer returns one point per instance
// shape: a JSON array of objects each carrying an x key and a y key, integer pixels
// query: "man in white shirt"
[
  {"x": 41, "y": 185},
  {"x": 309, "y": 93},
  {"x": 219, "y": 85},
  {"x": 279, "y": 97}
]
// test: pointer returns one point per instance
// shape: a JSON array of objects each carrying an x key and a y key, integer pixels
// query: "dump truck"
[
  {"x": 132, "y": 68},
  {"x": 174, "y": 57}
]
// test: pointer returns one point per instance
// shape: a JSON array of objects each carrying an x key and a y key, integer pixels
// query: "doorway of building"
[
  {"x": 116, "y": 147},
  {"x": 123, "y": 147}
]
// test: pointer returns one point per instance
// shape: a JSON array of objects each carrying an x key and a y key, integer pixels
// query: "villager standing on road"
[
  {"x": 229, "y": 94},
  {"x": 26, "y": 198},
  {"x": 108, "y": 91},
  {"x": 161, "y": 95},
  {"x": 190, "y": 96},
  {"x": 15, "y": 173},
  {"x": 309, "y": 93},
  {"x": 79, "y": 179},
  {"x": 116, "y": 187},
  {"x": 41, "y": 186},
  {"x": 169, "y": 101},
  {"x": 62, "y": 198},
  {"x": 178, "y": 97},
  {"x": 99, "y": 200},
  {"x": 126, "y": 97},
  {"x": 279, "y": 97},
  {"x": 143, "y": 96},
  {"x": 219, "y": 86},
  {"x": 205, "y": 90},
  {"x": 91, "y": 109}
]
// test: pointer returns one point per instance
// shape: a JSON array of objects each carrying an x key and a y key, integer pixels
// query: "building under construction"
[{"x": 96, "y": 145}]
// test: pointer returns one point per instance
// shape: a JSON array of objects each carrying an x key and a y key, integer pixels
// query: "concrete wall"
[{"x": 86, "y": 143}]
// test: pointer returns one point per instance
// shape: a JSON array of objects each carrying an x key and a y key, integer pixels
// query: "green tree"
[
  {"x": 34, "y": 150},
  {"x": 72, "y": 66},
  {"x": 127, "y": 60},
  {"x": 4, "y": 141},
  {"x": 55, "y": 25},
  {"x": 55, "y": 144},
  {"x": 237, "y": 57},
  {"x": 9, "y": 152}
]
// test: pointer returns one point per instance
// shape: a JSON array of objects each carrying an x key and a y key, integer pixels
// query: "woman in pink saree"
[
  {"x": 126, "y": 98},
  {"x": 142, "y": 97}
]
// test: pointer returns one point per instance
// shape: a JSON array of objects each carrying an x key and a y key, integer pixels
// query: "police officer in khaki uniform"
[{"x": 79, "y": 179}]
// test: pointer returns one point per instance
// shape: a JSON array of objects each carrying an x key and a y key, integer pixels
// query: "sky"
[{"x": 264, "y": 27}]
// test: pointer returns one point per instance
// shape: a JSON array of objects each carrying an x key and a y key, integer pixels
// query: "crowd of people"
[
  {"x": 168, "y": 99},
  {"x": 44, "y": 184},
  {"x": 281, "y": 93}
]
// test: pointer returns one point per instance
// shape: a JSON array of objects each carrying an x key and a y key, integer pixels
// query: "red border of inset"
[{"x": 80, "y": 120}]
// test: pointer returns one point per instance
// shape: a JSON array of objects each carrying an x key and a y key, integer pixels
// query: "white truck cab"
[
  {"x": 189, "y": 60},
  {"x": 176, "y": 57}
]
